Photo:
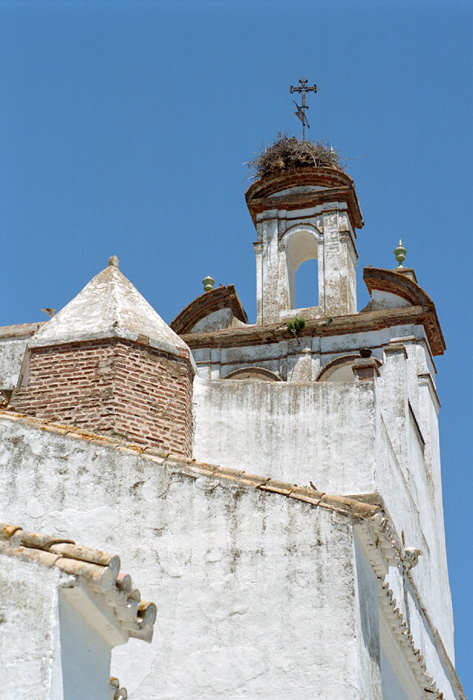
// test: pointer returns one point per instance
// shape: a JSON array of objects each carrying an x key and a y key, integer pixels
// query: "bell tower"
[{"x": 303, "y": 214}]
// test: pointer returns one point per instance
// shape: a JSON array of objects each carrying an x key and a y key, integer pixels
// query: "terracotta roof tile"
[
  {"x": 347, "y": 506},
  {"x": 97, "y": 568}
]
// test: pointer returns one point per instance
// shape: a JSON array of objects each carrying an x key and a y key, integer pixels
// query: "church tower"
[
  {"x": 308, "y": 214},
  {"x": 276, "y": 486}
]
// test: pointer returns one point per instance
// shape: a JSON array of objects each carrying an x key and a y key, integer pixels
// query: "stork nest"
[{"x": 289, "y": 153}]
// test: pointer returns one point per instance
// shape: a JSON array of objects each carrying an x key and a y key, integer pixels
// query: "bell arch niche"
[{"x": 300, "y": 245}]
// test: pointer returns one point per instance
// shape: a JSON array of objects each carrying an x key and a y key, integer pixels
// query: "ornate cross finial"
[{"x": 300, "y": 108}]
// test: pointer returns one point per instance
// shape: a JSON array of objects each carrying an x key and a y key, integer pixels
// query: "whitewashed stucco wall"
[
  {"x": 255, "y": 592},
  {"x": 258, "y": 595},
  {"x": 30, "y": 649},
  {"x": 320, "y": 432},
  {"x": 347, "y": 439},
  {"x": 12, "y": 352}
]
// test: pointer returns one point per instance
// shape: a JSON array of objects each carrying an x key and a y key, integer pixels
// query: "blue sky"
[{"x": 125, "y": 127}]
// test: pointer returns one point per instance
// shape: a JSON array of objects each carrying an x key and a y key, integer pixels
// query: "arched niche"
[
  {"x": 300, "y": 244},
  {"x": 340, "y": 369},
  {"x": 259, "y": 373}
]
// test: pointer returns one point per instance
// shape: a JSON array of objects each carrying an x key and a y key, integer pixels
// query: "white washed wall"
[{"x": 255, "y": 592}]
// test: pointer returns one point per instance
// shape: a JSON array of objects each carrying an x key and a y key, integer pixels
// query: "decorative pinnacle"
[
  {"x": 208, "y": 283},
  {"x": 114, "y": 261},
  {"x": 400, "y": 253}
]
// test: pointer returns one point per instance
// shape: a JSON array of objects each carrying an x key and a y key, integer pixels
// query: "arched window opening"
[
  {"x": 301, "y": 258},
  {"x": 307, "y": 285}
]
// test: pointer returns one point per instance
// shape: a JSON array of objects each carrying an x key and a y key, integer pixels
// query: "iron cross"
[{"x": 300, "y": 108}]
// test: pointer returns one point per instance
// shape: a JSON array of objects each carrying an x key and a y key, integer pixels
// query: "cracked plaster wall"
[{"x": 255, "y": 593}]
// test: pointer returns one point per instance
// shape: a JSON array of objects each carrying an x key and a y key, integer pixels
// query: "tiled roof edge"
[
  {"x": 402, "y": 633},
  {"x": 97, "y": 568},
  {"x": 384, "y": 548},
  {"x": 340, "y": 504},
  {"x": 115, "y": 691}
]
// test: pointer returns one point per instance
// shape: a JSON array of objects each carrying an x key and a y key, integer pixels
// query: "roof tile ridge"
[
  {"x": 98, "y": 569},
  {"x": 342, "y": 504},
  {"x": 116, "y": 692},
  {"x": 404, "y": 635}
]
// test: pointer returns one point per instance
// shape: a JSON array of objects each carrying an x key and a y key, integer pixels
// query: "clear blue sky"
[{"x": 125, "y": 125}]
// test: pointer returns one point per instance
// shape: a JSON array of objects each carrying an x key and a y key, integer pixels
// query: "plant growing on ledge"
[
  {"x": 289, "y": 153},
  {"x": 296, "y": 324}
]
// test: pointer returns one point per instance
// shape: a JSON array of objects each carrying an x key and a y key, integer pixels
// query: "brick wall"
[{"x": 115, "y": 387}]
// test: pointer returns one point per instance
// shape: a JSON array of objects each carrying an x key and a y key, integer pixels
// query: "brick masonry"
[{"x": 113, "y": 386}]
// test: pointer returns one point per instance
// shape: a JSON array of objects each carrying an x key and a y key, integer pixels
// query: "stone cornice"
[
  {"x": 326, "y": 326},
  {"x": 384, "y": 548},
  {"x": 337, "y": 186},
  {"x": 401, "y": 632}
]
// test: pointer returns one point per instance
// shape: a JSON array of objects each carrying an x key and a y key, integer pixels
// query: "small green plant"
[{"x": 296, "y": 324}]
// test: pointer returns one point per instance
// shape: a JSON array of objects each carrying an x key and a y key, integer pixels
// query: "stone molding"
[
  {"x": 337, "y": 186},
  {"x": 331, "y": 366},
  {"x": 255, "y": 372},
  {"x": 384, "y": 549},
  {"x": 207, "y": 303},
  {"x": 401, "y": 632},
  {"x": 402, "y": 286},
  {"x": 326, "y": 326}
]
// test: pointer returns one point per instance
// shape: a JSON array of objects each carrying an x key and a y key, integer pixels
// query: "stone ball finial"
[{"x": 114, "y": 261}]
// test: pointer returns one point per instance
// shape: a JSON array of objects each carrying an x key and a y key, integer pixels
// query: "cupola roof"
[{"x": 109, "y": 306}]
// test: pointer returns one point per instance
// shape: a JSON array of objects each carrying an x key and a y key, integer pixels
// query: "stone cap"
[
  {"x": 97, "y": 569},
  {"x": 21, "y": 330},
  {"x": 109, "y": 306}
]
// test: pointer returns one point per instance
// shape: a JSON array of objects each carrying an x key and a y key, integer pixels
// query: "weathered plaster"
[
  {"x": 12, "y": 352},
  {"x": 295, "y": 432},
  {"x": 254, "y": 592},
  {"x": 109, "y": 306},
  {"x": 29, "y": 631},
  {"x": 237, "y": 574}
]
